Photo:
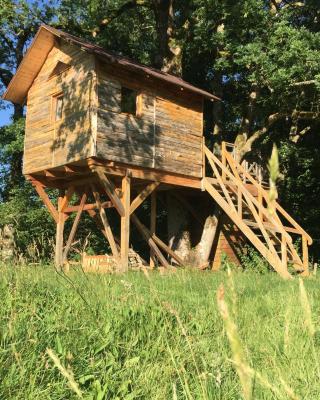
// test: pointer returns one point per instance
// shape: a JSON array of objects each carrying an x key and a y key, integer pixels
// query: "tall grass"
[{"x": 154, "y": 336}]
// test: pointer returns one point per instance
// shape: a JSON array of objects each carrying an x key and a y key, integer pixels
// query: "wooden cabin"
[{"x": 97, "y": 122}]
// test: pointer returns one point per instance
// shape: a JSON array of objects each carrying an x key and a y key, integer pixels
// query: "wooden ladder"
[{"x": 265, "y": 224}]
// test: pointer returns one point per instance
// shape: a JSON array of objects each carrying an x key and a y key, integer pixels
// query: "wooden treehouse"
[{"x": 114, "y": 132}]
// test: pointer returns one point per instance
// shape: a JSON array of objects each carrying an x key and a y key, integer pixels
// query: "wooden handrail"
[
  {"x": 266, "y": 197},
  {"x": 235, "y": 180},
  {"x": 252, "y": 198}
]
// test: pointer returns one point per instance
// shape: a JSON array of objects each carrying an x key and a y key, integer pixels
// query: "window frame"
[
  {"x": 54, "y": 104},
  {"x": 138, "y": 110}
]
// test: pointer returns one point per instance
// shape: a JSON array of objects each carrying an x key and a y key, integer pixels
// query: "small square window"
[
  {"x": 129, "y": 101},
  {"x": 58, "y": 107}
]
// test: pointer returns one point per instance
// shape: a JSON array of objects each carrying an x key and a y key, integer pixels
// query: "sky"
[{"x": 5, "y": 116}]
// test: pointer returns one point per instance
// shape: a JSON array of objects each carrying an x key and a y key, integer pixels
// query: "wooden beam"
[
  {"x": 125, "y": 223},
  {"x": 47, "y": 202},
  {"x": 67, "y": 198},
  {"x": 59, "y": 234},
  {"x": 146, "y": 234},
  {"x": 82, "y": 181},
  {"x": 74, "y": 227},
  {"x": 105, "y": 223},
  {"x": 143, "y": 195},
  {"x": 111, "y": 191},
  {"x": 167, "y": 249},
  {"x": 93, "y": 206},
  {"x": 153, "y": 222},
  {"x": 148, "y": 174}
]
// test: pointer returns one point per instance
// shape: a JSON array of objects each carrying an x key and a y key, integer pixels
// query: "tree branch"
[
  {"x": 5, "y": 76},
  {"x": 129, "y": 5},
  {"x": 304, "y": 83}
]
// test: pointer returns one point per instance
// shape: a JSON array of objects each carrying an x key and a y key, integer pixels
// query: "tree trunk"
[
  {"x": 179, "y": 237},
  {"x": 190, "y": 238},
  {"x": 203, "y": 249},
  {"x": 168, "y": 58}
]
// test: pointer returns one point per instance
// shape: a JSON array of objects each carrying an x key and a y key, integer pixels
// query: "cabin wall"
[
  {"x": 167, "y": 135},
  {"x": 50, "y": 143}
]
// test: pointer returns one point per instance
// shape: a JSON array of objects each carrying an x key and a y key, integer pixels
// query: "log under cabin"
[{"x": 114, "y": 132}]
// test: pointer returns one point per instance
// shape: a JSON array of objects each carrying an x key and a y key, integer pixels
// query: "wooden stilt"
[
  {"x": 125, "y": 223},
  {"x": 59, "y": 233},
  {"x": 153, "y": 224}
]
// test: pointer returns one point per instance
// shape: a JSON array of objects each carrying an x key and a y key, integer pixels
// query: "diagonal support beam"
[
  {"x": 156, "y": 241},
  {"x": 47, "y": 202},
  {"x": 74, "y": 227},
  {"x": 111, "y": 191},
  {"x": 105, "y": 222},
  {"x": 143, "y": 195}
]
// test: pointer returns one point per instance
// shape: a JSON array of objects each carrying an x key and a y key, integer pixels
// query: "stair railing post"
[
  {"x": 284, "y": 253},
  {"x": 260, "y": 200},
  {"x": 203, "y": 158},
  {"x": 223, "y": 159},
  {"x": 305, "y": 255},
  {"x": 239, "y": 202}
]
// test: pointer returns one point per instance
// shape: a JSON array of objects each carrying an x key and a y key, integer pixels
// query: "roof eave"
[{"x": 12, "y": 93}]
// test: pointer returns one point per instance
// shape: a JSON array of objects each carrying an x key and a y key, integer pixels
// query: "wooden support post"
[
  {"x": 284, "y": 253},
  {"x": 125, "y": 223},
  {"x": 240, "y": 202},
  {"x": 260, "y": 201},
  {"x": 203, "y": 157},
  {"x": 59, "y": 233},
  {"x": 223, "y": 158},
  {"x": 74, "y": 227},
  {"x": 305, "y": 255},
  {"x": 153, "y": 224}
]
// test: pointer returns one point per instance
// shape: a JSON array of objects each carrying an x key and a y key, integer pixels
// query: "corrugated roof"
[{"x": 17, "y": 92}]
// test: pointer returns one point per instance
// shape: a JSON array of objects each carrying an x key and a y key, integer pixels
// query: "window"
[
  {"x": 58, "y": 107},
  {"x": 129, "y": 99},
  {"x": 59, "y": 68}
]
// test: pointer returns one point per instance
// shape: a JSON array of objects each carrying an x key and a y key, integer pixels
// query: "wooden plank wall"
[
  {"x": 49, "y": 143},
  {"x": 168, "y": 134},
  {"x": 229, "y": 244}
]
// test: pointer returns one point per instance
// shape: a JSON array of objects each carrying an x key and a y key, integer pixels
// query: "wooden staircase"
[{"x": 240, "y": 192}]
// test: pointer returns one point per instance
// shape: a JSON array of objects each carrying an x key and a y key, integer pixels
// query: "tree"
[
  {"x": 19, "y": 21},
  {"x": 260, "y": 56}
]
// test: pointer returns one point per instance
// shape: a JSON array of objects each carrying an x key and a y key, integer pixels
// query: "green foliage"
[
  {"x": 33, "y": 225},
  {"x": 158, "y": 338}
]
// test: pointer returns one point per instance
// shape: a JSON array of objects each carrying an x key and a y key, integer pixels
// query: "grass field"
[{"x": 157, "y": 337}]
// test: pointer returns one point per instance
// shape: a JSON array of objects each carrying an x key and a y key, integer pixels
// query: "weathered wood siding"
[
  {"x": 50, "y": 143},
  {"x": 166, "y": 136}
]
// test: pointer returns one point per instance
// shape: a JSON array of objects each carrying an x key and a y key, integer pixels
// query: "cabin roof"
[{"x": 44, "y": 41}]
